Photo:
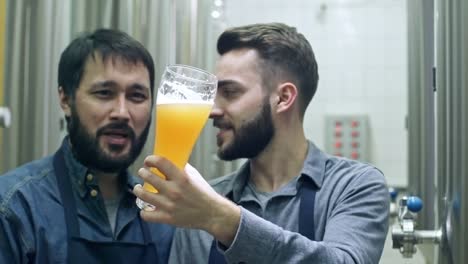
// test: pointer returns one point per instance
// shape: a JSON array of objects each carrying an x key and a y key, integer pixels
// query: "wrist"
[{"x": 224, "y": 221}]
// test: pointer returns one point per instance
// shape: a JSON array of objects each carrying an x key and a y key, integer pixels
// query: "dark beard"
[
  {"x": 88, "y": 152},
  {"x": 251, "y": 138}
]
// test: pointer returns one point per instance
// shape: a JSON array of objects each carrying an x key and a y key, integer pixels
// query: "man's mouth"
[
  {"x": 222, "y": 125},
  {"x": 223, "y": 133},
  {"x": 116, "y": 136},
  {"x": 224, "y": 128}
]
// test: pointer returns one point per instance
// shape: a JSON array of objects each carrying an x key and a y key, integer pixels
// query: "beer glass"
[{"x": 183, "y": 103}]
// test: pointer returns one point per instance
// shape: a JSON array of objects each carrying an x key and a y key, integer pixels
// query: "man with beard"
[
  {"x": 77, "y": 205},
  {"x": 290, "y": 202}
]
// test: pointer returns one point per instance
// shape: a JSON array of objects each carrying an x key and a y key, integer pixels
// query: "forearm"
[{"x": 260, "y": 241}]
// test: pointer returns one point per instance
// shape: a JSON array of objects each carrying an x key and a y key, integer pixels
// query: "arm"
[
  {"x": 355, "y": 231},
  {"x": 10, "y": 241}
]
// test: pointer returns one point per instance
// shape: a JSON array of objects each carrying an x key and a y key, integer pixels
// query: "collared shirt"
[
  {"x": 32, "y": 221},
  {"x": 350, "y": 217}
]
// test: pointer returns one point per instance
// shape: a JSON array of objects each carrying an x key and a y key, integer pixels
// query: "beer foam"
[
  {"x": 177, "y": 93},
  {"x": 161, "y": 102}
]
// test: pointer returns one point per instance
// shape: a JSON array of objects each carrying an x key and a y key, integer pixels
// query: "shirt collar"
[
  {"x": 81, "y": 177},
  {"x": 314, "y": 165},
  {"x": 313, "y": 169},
  {"x": 240, "y": 180}
]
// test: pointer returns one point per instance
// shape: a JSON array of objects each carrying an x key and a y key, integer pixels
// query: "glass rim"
[{"x": 213, "y": 77}]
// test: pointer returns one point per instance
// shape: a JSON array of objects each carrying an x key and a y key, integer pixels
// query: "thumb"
[
  {"x": 196, "y": 177},
  {"x": 190, "y": 170}
]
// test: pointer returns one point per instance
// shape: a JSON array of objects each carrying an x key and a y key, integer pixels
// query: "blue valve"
[
  {"x": 393, "y": 193},
  {"x": 414, "y": 204}
]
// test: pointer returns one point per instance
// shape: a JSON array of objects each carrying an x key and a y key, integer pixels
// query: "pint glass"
[{"x": 183, "y": 103}]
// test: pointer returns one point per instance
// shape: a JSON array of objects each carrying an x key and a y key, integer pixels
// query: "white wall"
[{"x": 360, "y": 46}]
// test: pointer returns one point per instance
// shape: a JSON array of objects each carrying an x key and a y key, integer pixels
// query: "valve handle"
[{"x": 414, "y": 204}]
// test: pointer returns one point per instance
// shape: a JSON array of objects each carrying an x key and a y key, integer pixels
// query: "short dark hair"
[
  {"x": 109, "y": 43},
  {"x": 284, "y": 52}
]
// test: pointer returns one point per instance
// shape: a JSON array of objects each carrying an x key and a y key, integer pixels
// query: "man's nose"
[
  {"x": 120, "y": 109},
  {"x": 216, "y": 111}
]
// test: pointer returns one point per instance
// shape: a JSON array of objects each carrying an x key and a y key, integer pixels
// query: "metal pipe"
[
  {"x": 417, "y": 236},
  {"x": 428, "y": 236}
]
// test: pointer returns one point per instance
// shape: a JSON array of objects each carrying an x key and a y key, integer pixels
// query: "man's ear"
[
  {"x": 287, "y": 95},
  {"x": 65, "y": 101}
]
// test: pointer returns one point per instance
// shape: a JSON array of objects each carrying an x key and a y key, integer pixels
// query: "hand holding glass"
[{"x": 183, "y": 104}]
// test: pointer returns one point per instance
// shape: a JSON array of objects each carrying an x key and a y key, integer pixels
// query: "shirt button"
[
  {"x": 89, "y": 177},
  {"x": 94, "y": 193}
]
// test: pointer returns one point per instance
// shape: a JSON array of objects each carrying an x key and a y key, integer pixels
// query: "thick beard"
[
  {"x": 251, "y": 138},
  {"x": 87, "y": 149}
]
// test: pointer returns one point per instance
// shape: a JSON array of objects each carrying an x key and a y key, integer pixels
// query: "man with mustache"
[
  {"x": 290, "y": 202},
  {"x": 77, "y": 205}
]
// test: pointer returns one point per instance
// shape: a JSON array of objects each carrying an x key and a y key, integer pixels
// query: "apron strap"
[
  {"x": 145, "y": 230},
  {"x": 306, "y": 220},
  {"x": 215, "y": 256},
  {"x": 66, "y": 193},
  {"x": 306, "y": 210}
]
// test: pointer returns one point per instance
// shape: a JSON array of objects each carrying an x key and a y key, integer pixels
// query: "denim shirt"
[{"x": 32, "y": 223}]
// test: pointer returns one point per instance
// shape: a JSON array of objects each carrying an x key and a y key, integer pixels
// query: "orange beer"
[{"x": 178, "y": 126}]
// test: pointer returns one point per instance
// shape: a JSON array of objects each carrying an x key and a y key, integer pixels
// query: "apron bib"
[{"x": 81, "y": 250}]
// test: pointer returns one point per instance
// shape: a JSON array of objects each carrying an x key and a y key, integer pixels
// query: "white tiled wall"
[{"x": 360, "y": 46}]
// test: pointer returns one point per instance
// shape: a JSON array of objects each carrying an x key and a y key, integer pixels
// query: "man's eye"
[
  {"x": 229, "y": 92},
  {"x": 138, "y": 97},
  {"x": 103, "y": 93}
]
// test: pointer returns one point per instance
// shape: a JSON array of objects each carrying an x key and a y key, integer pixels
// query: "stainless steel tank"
[
  {"x": 438, "y": 125},
  {"x": 452, "y": 130}
]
